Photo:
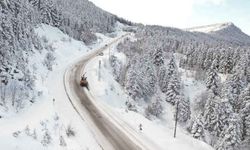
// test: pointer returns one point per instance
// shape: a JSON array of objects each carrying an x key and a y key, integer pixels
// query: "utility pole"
[
  {"x": 176, "y": 119},
  {"x": 99, "y": 71}
]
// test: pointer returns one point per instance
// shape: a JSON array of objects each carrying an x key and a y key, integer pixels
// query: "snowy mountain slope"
[
  {"x": 43, "y": 125},
  {"x": 227, "y": 31},
  {"x": 210, "y": 28}
]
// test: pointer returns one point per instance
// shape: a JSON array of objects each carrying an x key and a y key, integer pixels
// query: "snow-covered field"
[
  {"x": 111, "y": 97},
  {"x": 44, "y": 124}
]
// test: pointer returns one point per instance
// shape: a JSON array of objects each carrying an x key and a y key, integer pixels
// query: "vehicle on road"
[
  {"x": 101, "y": 54},
  {"x": 84, "y": 82}
]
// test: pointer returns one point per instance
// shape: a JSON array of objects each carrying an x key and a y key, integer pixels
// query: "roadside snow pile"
[
  {"x": 50, "y": 122},
  {"x": 111, "y": 96}
]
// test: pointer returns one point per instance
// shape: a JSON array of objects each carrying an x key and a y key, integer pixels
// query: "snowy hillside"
[
  {"x": 46, "y": 123},
  {"x": 112, "y": 98},
  {"x": 19, "y": 42},
  {"x": 206, "y": 75}
]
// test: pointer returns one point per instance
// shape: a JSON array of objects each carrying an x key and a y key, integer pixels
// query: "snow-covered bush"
[
  {"x": 49, "y": 60},
  {"x": 70, "y": 131},
  {"x": 16, "y": 134},
  {"x": 131, "y": 106},
  {"x": 88, "y": 37},
  {"x": 154, "y": 108},
  {"x": 47, "y": 139}
]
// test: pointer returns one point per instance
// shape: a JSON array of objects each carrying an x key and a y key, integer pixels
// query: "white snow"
[
  {"x": 209, "y": 28},
  {"x": 48, "y": 114},
  {"x": 111, "y": 97}
]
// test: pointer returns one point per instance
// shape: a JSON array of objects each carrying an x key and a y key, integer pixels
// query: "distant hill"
[{"x": 226, "y": 31}]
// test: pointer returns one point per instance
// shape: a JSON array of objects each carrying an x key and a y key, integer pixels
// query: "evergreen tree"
[
  {"x": 148, "y": 81},
  {"x": 173, "y": 89},
  {"x": 225, "y": 111},
  {"x": 197, "y": 129},
  {"x": 244, "y": 101},
  {"x": 163, "y": 79},
  {"x": 183, "y": 108},
  {"x": 234, "y": 86},
  {"x": 213, "y": 81},
  {"x": 158, "y": 57},
  {"x": 226, "y": 63},
  {"x": 171, "y": 67},
  {"x": 211, "y": 115},
  {"x": 132, "y": 85},
  {"x": 232, "y": 134}
]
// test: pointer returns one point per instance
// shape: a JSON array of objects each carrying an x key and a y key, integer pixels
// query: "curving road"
[{"x": 108, "y": 135}]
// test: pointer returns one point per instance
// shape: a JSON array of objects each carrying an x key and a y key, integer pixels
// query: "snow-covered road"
[{"x": 106, "y": 132}]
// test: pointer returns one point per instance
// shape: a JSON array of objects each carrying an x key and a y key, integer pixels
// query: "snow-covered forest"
[
  {"x": 80, "y": 20},
  {"x": 157, "y": 62}
]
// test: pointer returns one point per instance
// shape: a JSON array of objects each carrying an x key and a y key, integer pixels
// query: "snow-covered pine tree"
[
  {"x": 166, "y": 72},
  {"x": 173, "y": 89},
  {"x": 172, "y": 67},
  {"x": 184, "y": 112},
  {"x": 158, "y": 57},
  {"x": 211, "y": 115},
  {"x": 207, "y": 61},
  {"x": 215, "y": 63},
  {"x": 244, "y": 111},
  {"x": 242, "y": 66},
  {"x": 163, "y": 78},
  {"x": 132, "y": 85},
  {"x": 197, "y": 129},
  {"x": 148, "y": 81},
  {"x": 231, "y": 137},
  {"x": 226, "y": 62},
  {"x": 233, "y": 87},
  {"x": 56, "y": 17},
  {"x": 117, "y": 69},
  {"x": 213, "y": 81},
  {"x": 225, "y": 111}
]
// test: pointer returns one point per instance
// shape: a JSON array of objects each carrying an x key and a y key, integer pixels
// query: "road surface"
[{"x": 107, "y": 134}]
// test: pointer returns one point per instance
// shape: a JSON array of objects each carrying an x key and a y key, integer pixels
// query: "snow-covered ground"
[
  {"x": 111, "y": 97},
  {"x": 43, "y": 125},
  {"x": 209, "y": 28}
]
